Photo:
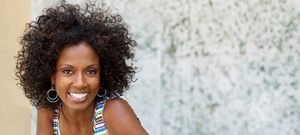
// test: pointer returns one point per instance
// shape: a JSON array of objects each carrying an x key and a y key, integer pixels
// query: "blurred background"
[
  {"x": 206, "y": 67},
  {"x": 15, "y": 109}
]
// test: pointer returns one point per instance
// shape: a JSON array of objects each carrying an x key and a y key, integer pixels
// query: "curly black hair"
[{"x": 66, "y": 25}]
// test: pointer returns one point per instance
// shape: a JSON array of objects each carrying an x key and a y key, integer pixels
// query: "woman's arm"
[
  {"x": 45, "y": 121},
  {"x": 120, "y": 119}
]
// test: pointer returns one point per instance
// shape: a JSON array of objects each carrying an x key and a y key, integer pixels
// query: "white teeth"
[{"x": 78, "y": 95}]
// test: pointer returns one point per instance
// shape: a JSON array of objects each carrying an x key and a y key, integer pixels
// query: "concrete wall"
[{"x": 15, "y": 108}]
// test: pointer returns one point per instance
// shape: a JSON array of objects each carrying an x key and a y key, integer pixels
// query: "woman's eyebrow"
[{"x": 65, "y": 65}]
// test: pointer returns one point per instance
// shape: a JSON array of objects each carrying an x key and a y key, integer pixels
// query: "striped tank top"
[{"x": 99, "y": 125}]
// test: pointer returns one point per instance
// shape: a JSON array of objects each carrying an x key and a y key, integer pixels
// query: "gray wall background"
[{"x": 213, "y": 67}]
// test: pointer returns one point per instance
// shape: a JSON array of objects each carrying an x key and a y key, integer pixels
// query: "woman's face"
[{"x": 77, "y": 79}]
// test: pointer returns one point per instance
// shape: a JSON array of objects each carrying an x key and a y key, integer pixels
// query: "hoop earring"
[
  {"x": 52, "y": 99},
  {"x": 102, "y": 95}
]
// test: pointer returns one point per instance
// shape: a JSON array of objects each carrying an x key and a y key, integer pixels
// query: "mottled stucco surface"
[{"x": 214, "y": 67}]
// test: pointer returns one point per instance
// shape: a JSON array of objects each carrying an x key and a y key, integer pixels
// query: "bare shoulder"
[
  {"x": 117, "y": 104},
  {"x": 44, "y": 121},
  {"x": 120, "y": 119}
]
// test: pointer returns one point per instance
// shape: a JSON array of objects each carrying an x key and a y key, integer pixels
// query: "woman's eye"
[
  {"x": 91, "y": 72},
  {"x": 67, "y": 71}
]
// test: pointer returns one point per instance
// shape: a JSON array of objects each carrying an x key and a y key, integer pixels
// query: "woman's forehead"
[{"x": 78, "y": 54}]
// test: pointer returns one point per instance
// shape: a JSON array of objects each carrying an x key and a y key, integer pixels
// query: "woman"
[{"x": 73, "y": 66}]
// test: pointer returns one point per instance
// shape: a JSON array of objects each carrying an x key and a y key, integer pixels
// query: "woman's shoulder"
[
  {"x": 120, "y": 118},
  {"x": 44, "y": 121},
  {"x": 117, "y": 104}
]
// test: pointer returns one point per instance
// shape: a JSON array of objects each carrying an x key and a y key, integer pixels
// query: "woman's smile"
[{"x": 78, "y": 96}]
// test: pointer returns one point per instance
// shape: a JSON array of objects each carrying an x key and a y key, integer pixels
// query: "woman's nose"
[{"x": 80, "y": 81}]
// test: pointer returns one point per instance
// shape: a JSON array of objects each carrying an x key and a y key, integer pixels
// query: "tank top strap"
[
  {"x": 99, "y": 124},
  {"x": 56, "y": 120}
]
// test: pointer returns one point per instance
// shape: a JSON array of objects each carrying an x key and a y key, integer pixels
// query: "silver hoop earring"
[
  {"x": 52, "y": 95},
  {"x": 102, "y": 95}
]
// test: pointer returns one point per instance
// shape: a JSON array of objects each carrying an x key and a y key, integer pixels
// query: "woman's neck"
[{"x": 77, "y": 121}]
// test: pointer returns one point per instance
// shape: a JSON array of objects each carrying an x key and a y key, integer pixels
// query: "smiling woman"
[{"x": 73, "y": 66}]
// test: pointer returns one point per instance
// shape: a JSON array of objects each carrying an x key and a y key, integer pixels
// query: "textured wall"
[{"x": 215, "y": 67}]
